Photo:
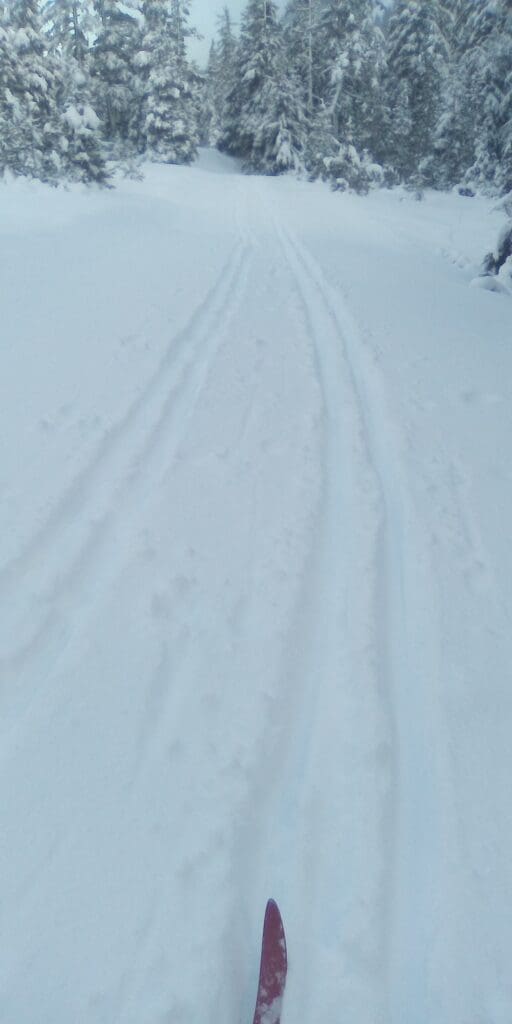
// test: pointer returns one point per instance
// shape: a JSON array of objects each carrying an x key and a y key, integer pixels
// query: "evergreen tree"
[
  {"x": 302, "y": 41},
  {"x": 418, "y": 65},
  {"x": 489, "y": 63},
  {"x": 34, "y": 141},
  {"x": 227, "y": 50},
  {"x": 231, "y": 70},
  {"x": 68, "y": 22},
  {"x": 321, "y": 145},
  {"x": 187, "y": 83},
  {"x": 265, "y": 121},
  {"x": 84, "y": 160},
  {"x": 117, "y": 94},
  {"x": 10, "y": 144},
  {"x": 307, "y": 91},
  {"x": 353, "y": 60},
  {"x": 504, "y": 174},
  {"x": 210, "y": 123},
  {"x": 453, "y": 137},
  {"x": 222, "y": 74},
  {"x": 170, "y": 122}
]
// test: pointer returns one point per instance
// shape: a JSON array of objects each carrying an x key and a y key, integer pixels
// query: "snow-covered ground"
[{"x": 256, "y": 598}]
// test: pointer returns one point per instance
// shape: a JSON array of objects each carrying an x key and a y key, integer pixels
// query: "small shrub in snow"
[
  {"x": 350, "y": 171},
  {"x": 84, "y": 160}
]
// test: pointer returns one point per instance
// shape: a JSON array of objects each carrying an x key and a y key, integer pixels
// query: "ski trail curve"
[{"x": 407, "y": 666}]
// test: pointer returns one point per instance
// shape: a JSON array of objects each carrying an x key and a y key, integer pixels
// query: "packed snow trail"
[
  {"x": 386, "y": 591},
  {"x": 256, "y": 605}
]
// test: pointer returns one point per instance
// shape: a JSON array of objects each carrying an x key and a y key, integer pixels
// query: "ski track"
[
  {"x": 68, "y": 555},
  {"x": 313, "y": 753},
  {"x": 290, "y": 746},
  {"x": 398, "y": 616},
  {"x": 193, "y": 684}
]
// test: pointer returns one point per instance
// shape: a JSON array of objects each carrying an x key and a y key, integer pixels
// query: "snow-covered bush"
[
  {"x": 349, "y": 170},
  {"x": 500, "y": 260}
]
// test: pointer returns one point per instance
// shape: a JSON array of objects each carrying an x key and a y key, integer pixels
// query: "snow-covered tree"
[
  {"x": 187, "y": 83},
  {"x": 170, "y": 119},
  {"x": 489, "y": 70},
  {"x": 68, "y": 23},
  {"x": 227, "y": 51},
  {"x": 453, "y": 135},
  {"x": 265, "y": 119},
  {"x": 418, "y": 72},
  {"x": 30, "y": 84},
  {"x": 302, "y": 41},
  {"x": 117, "y": 93},
  {"x": 9, "y": 142},
  {"x": 321, "y": 144},
  {"x": 210, "y": 125},
  {"x": 220, "y": 80},
  {"x": 504, "y": 172},
  {"x": 352, "y": 48},
  {"x": 84, "y": 158}
]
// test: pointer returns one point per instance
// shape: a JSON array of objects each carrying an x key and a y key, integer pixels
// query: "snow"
[
  {"x": 86, "y": 119},
  {"x": 255, "y": 579}
]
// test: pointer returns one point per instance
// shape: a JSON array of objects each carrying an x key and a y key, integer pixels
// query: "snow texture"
[{"x": 255, "y": 579}]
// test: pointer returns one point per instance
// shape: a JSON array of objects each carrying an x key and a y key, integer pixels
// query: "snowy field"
[{"x": 256, "y": 600}]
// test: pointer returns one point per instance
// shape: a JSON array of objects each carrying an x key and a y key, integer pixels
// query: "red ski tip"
[{"x": 273, "y": 968}]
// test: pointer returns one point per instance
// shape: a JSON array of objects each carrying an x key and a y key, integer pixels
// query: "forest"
[{"x": 349, "y": 91}]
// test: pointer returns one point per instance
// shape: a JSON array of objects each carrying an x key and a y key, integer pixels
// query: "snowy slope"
[{"x": 255, "y": 581}]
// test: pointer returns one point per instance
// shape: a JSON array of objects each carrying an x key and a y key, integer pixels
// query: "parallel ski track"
[
  {"x": 48, "y": 581},
  {"x": 390, "y": 594},
  {"x": 403, "y": 606}
]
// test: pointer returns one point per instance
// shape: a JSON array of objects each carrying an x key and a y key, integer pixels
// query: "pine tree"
[
  {"x": 84, "y": 159},
  {"x": 187, "y": 84},
  {"x": 265, "y": 122},
  {"x": 302, "y": 42},
  {"x": 10, "y": 143},
  {"x": 321, "y": 145},
  {"x": 453, "y": 137},
  {"x": 170, "y": 121},
  {"x": 222, "y": 75},
  {"x": 230, "y": 67},
  {"x": 489, "y": 64},
  {"x": 504, "y": 174},
  {"x": 418, "y": 63},
  {"x": 68, "y": 22},
  {"x": 117, "y": 96},
  {"x": 353, "y": 61},
  {"x": 34, "y": 140},
  {"x": 210, "y": 124}
]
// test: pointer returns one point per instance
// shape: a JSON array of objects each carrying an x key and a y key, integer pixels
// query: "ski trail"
[
  {"x": 173, "y": 596},
  {"x": 70, "y": 526},
  {"x": 406, "y": 626},
  {"x": 75, "y": 555},
  {"x": 319, "y": 805}
]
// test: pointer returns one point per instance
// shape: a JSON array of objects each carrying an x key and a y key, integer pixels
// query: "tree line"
[
  {"x": 352, "y": 91},
  {"x": 86, "y": 84}
]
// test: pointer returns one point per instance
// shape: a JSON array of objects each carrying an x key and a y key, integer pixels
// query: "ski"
[{"x": 273, "y": 967}]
